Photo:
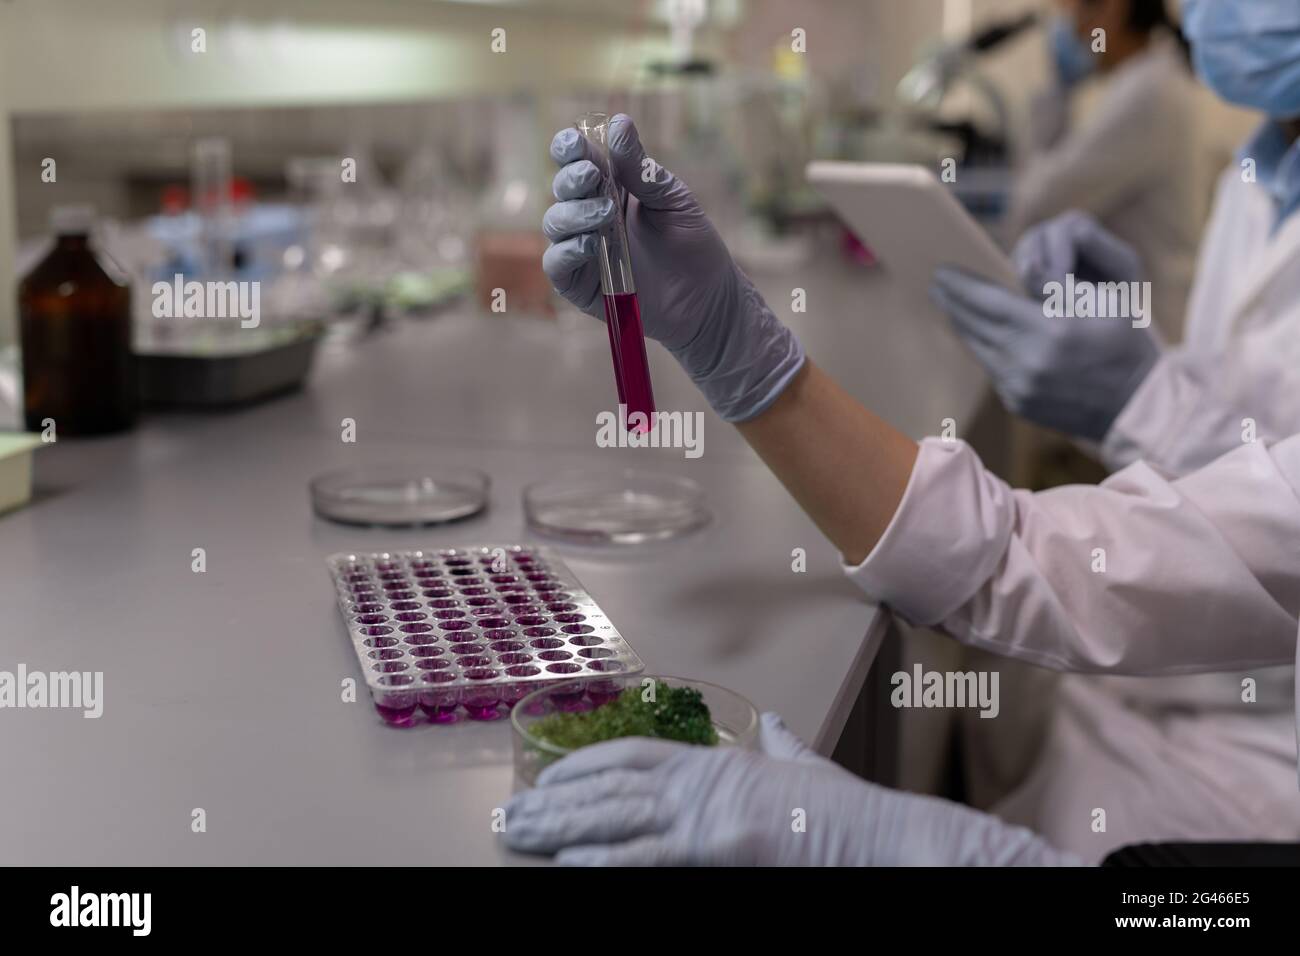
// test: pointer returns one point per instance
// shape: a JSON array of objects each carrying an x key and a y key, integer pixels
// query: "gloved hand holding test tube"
[
  {"x": 697, "y": 303},
  {"x": 622, "y": 307}
]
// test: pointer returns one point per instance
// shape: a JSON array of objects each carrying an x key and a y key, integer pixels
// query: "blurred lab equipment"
[
  {"x": 211, "y": 179},
  {"x": 931, "y": 77},
  {"x": 301, "y": 290},
  {"x": 942, "y": 67},
  {"x": 337, "y": 271},
  {"x": 508, "y": 246},
  {"x": 224, "y": 241},
  {"x": 74, "y": 313},
  {"x": 362, "y": 210},
  {"x": 434, "y": 230},
  {"x": 220, "y": 371}
]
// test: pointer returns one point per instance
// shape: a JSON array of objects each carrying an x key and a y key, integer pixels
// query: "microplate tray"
[{"x": 471, "y": 630}]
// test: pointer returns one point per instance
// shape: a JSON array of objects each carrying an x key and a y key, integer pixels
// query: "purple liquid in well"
[
  {"x": 627, "y": 346},
  {"x": 570, "y": 700},
  {"x": 439, "y": 705},
  {"x": 603, "y": 691},
  {"x": 397, "y": 716},
  {"x": 483, "y": 711},
  {"x": 439, "y": 713}
]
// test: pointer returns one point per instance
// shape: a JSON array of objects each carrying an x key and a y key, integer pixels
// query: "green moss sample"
[{"x": 676, "y": 713}]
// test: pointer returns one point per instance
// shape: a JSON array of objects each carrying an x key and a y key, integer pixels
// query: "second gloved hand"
[
  {"x": 1071, "y": 374},
  {"x": 641, "y": 802},
  {"x": 1074, "y": 243},
  {"x": 694, "y": 300}
]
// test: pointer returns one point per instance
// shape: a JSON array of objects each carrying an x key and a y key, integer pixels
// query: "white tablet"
[{"x": 911, "y": 222}]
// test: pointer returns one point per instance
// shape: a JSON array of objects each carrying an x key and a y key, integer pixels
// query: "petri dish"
[
  {"x": 627, "y": 507},
  {"x": 734, "y": 718},
  {"x": 400, "y": 495}
]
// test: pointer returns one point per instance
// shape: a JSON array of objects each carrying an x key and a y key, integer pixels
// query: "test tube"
[
  {"x": 622, "y": 307},
  {"x": 210, "y": 178}
]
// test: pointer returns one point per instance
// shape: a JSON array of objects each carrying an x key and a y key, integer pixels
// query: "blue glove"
[
  {"x": 640, "y": 802},
  {"x": 694, "y": 300},
  {"x": 1074, "y": 375},
  {"x": 1074, "y": 243}
]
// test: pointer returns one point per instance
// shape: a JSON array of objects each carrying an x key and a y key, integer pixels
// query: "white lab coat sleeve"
[
  {"x": 1140, "y": 575},
  {"x": 1194, "y": 405}
]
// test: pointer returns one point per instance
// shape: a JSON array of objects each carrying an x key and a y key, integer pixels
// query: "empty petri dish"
[
  {"x": 400, "y": 495},
  {"x": 628, "y": 507}
]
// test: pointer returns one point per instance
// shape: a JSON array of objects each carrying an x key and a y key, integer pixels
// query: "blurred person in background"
[{"x": 1134, "y": 162}]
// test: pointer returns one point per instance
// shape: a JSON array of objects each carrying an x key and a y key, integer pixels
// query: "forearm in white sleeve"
[
  {"x": 1195, "y": 405},
  {"x": 1140, "y": 575}
]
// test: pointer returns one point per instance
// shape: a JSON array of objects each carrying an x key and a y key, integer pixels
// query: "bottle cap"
[{"x": 72, "y": 220}]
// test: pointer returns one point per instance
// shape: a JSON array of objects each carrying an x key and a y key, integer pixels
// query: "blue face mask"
[
  {"x": 1248, "y": 51},
  {"x": 1074, "y": 61}
]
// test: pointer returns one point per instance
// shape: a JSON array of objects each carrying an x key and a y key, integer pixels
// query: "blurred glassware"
[
  {"x": 436, "y": 218},
  {"x": 320, "y": 272},
  {"x": 74, "y": 311},
  {"x": 510, "y": 243},
  {"x": 210, "y": 188}
]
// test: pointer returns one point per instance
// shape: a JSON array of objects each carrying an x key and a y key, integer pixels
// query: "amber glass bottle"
[{"x": 75, "y": 323}]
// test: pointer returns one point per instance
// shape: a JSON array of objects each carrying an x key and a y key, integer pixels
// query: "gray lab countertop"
[{"x": 222, "y": 689}]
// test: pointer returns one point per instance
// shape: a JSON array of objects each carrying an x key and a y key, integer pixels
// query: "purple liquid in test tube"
[{"x": 622, "y": 308}]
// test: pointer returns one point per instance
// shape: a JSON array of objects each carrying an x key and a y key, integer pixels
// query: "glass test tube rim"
[{"x": 594, "y": 126}]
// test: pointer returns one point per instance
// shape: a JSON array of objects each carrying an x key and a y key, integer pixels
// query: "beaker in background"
[{"x": 510, "y": 243}]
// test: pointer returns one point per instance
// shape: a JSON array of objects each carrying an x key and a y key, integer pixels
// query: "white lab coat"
[
  {"x": 1192, "y": 740},
  {"x": 1235, "y": 377},
  {"x": 1137, "y": 163},
  {"x": 1200, "y": 575},
  {"x": 1239, "y": 365}
]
